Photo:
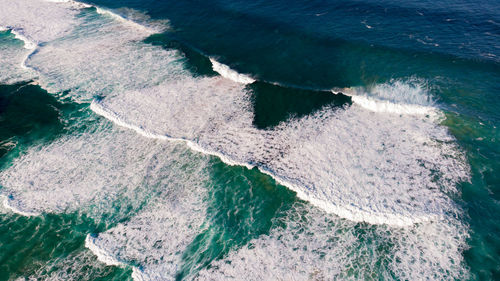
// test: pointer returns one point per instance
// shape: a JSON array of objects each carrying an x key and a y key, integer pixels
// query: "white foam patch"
[
  {"x": 111, "y": 174},
  {"x": 102, "y": 55},
  {"x": 135, "y": 19},
  {"x": 91, "y": 172},
  {"x": 311, "y": 245},
  {"x": 38, "y": 21},
  {"x": 16, "y": 207},
  {"x": 360, "y": 165},
  {"x": 154, "y": 240},
  {"x": 102, "y": 255},
  {"x": 88, "y": 52},
  {"x": 229, "y": 73},
  {"x": 409, "y": 97}
]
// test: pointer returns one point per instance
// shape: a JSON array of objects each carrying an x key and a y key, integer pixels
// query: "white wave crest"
[
  {"x": 101, "y": 254},
  {"x": 390, "y": 107},
  {"x": 14, "y": 207},
  {"x": 28, "y": 44},
  {"x": 228, "y": 73},
  {"x": 359, "y": 164},
  {"x": 148, "y": 30},
  {"x": 13, "y": 61},
  {"x": 396, "y": 96}
]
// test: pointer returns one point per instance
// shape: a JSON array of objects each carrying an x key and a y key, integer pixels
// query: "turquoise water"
[{"x": 167, "y": 140}]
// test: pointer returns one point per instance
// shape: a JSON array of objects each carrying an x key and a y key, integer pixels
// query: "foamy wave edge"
[
  {"x": 226, "y": 72},
  {"x": 111, "y": 260},
  {"x": 104, "y": 11},
  {"x": 100, "y": 253},
  {"x": 7, "y": 205},
  {"x": 384, "y": 106},
  {"x": 28, "y": 43},
  {"x": 346, "y": 212},
  {"x": 366, "y": 102},
  {"x": 32, "y": 45}
]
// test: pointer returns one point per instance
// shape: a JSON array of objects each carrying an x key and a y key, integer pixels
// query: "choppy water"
[{"x": 249, "y": 140}]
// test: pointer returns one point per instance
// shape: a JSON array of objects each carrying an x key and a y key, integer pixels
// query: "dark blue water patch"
[
  {"x": 452, "y": 27},
  {"x": 29, "y": 115},
  {"x": 273, "y": 104}
]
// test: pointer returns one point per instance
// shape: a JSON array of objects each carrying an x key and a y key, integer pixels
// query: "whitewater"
[{"x": 383, "y": 159}]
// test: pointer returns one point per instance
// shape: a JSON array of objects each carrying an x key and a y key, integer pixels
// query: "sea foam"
[
  {"x": 226, "y": 72},
  {"x": 360, "y": 163},
  {"x": 306, "y": 244},
  {"x": 396, "y": 96},
  {"x": 13, "y": 60},
  {"x": 363, "y": 165},
  {"x": 37, "y": 20}
]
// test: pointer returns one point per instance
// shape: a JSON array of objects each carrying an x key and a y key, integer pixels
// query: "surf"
[
  {"x": 221, "y": 125},
  {"x": 372, "y": 162}
]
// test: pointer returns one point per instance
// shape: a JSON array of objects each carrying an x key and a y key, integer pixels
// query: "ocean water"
[{"x": 249, "y": 140}]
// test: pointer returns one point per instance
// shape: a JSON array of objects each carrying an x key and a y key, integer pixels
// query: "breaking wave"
[{"x": 383, "y": 160}]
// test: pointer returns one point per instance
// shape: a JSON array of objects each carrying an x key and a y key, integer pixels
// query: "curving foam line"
[
  {"x": 100, "y": 57},
  {"x": 229, "y": 73},
  {"x": 102, "y": 111},
  {"x": 156, "y": 237},
  {"x": 28, "y": 44},
  {"x": 390, "y": 107},
  {"x": 133, "y": 24},
  {"x": 371, "y": 157},
  {"x": 10, "y": 205},
  {"x": 101, "y": 254},
  {"x": 13, "y": 61},
  {"x": 362, "y": 165},
  {"x": 348, "y": 212}
]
